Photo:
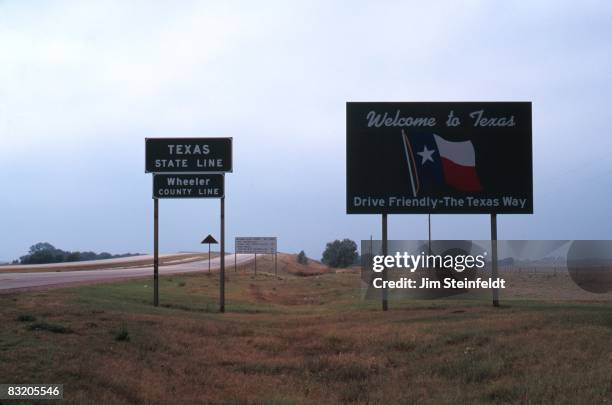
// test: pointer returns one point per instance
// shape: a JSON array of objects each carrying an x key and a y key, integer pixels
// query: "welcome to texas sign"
[{"x": 463, "y": 157}]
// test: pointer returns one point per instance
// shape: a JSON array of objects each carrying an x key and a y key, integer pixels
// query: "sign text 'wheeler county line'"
[
  {"x": 188, "y": 155},
  {"x": 439, "y": 157},
  {"x": 205, "y": 185}
]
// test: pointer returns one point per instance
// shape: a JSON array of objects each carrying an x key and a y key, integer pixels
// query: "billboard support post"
[
  {"x": 255, "y": 263},
  {"x": 235, "y": 262},
  {"x": 275, "y": 265},
  {"x": 222, "y": 259},
  {"x": 155, "y": 252},
  {"x": 494, "y": 257},
  {"x": 385, "y": 292},
  {"x": 429, "y": 232}
]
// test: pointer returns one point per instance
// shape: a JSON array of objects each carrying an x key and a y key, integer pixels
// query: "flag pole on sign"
[{"x": 409, "y": 161}]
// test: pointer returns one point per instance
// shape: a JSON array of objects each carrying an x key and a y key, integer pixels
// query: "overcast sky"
[{"x": 82, "y": 83}]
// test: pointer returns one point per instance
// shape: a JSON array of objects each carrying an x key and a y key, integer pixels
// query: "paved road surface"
[
  {"x": 10, "y": 282},
  {"x": 118, "y": 262}
]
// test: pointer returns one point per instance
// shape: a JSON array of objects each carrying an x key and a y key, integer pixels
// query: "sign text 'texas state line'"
[{"x": 188, "y": 155}]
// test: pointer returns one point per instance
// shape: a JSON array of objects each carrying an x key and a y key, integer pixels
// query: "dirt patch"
[{"x": 288, "y": 264}]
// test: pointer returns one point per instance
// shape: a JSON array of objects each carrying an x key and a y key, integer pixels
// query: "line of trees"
[{"x": 44, "y": 252}]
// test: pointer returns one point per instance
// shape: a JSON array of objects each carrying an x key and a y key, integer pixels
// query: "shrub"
[
  {"x": 26, "y": 318},
  {"x": 302, "y": 258},
  {"x": 122, "y": 334},
  {"x": 50, "y": 327},
  {"x": 340, "y": 253}
]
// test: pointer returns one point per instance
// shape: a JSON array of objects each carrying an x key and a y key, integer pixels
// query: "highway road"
[{"x": 11, "y": 282}]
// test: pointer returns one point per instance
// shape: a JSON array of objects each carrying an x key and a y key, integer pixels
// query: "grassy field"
[{"x": 295, "y": 339}]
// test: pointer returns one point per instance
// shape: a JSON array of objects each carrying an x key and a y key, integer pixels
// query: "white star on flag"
[{"x": 426, "y": 155}]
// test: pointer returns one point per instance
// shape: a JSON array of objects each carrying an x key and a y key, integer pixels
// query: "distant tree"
[
  {"x": 44, "y": 256},
  {"x": 340, "y": 253},
  {"x": 41, "y": 247},
  {"x": 41, "y": 252},
  {"x": 302, "y": 258},
  {"x": 73, "y": 257}
]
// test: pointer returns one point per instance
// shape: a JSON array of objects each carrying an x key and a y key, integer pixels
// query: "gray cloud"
[{"x": 82, "y": 84}]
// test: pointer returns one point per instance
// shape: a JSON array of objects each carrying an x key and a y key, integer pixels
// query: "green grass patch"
[
  {"x": 473, "y": 336},
  {"x": 332, "y": 370},
  {"x": 399, "y": 343},
  {"x": 472, "y": 367}
]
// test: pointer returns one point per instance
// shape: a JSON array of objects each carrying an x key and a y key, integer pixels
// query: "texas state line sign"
[{"x": 439, "y": 157}]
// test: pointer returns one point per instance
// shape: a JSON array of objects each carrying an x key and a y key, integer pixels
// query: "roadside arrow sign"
[{"x": 209, "y": 239}]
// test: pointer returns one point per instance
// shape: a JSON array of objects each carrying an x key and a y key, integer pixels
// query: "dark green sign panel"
[
  {"x": 206, "y": 185},
  {"x": 446, "y": 157},
  {"x": 188, "y": 155}
]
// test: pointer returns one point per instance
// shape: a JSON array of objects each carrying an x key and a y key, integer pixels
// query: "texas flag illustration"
[{"x": 435, "y": 164}]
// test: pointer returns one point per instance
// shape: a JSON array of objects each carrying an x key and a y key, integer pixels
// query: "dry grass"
[
  {"x": 287, "y": 264},
  {"x": 290, "y": 339}
]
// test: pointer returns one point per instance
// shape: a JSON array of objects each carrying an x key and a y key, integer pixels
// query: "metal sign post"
[
  {"x": 222, "y": 271},
  {"x": 494, "y": 257},
  {"x": 255, "y": 263},
  {"x": 385, "y": 292},
  {"x": 429, "y": 232},
  {"x": 155, "y": 252}
]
